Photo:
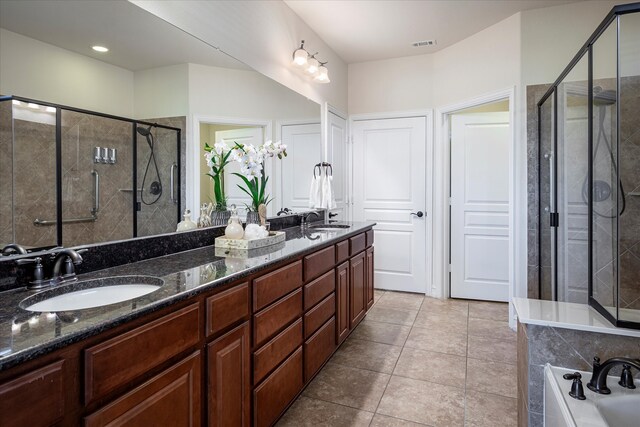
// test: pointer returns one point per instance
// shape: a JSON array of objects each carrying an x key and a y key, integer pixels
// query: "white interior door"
[
  {"x": 337, "y": 156},
  {"x": 304, "y": 151},
  {"x": 389, "y": 166},
  {"x": 253, "y": 136},
  {"x": 480, "y": 206}
]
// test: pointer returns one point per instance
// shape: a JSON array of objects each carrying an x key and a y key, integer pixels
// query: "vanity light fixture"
[
  {"x": 100, "y": 49},
  {"x": 322, "y": 75},
  {"x": 310, "y": 64},
  {"x": 300, "y": 56}
]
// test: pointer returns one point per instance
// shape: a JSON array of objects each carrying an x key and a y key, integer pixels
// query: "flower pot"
[
  {"x": 220, "y": 217},
  {"x": 253, "y": 217}
]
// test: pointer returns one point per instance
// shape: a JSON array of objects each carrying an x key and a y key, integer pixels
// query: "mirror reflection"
[{"x": 94, "y": 144}]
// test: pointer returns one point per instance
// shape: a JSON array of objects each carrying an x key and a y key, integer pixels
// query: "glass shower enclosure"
[
  {"x": 71, "y": 177},
  {"x": 589, "y": 174}
]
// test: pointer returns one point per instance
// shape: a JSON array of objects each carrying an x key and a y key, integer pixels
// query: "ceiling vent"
[{"x": 424, "y": 43}]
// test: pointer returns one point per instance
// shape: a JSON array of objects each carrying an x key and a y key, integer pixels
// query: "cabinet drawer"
[
  {"x": 227, "y": 308},
  {"x": 319, "y": 288},
  {"x": 319, "y": 314},
  {"x": 274, "y": 394},
  {"x": 342, "y": 251},
  {"x": 275, "y": 351},
  {"x": 318, "y": 348},
  {"x": 35, "y": 398},
  {"x": 121, "y": 359},
  {"x": 319, "y": 262},
  {"x": 271, "y": 286},
  {"x": 357, "y": 244},
  {"x": 170, "y": 398},
  {"x": 273, "y": 319},
  {"x": 369, "y": 234}
]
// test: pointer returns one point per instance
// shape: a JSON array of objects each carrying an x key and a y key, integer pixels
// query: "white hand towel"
[
  {"x": 328, "y": 199},
  {"x": 315, "y": 198}
]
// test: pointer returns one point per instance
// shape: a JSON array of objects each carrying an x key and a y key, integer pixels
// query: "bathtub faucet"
[{"x": 598, "y": 381}]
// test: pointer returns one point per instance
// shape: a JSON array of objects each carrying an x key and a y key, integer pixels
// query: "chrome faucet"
[
  {"x": 598, "y": 381},
  {"x": 304, "y": 217},
  {"x": 13, "y": 249}
]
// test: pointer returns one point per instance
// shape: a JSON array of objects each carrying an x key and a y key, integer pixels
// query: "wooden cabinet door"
[
  {"x": 171, "y": 398},
  {"x": 229, "y": 381},
  {"x": 342, "y": 302},
  {"x": 357, "y": 289},
  {"x": 369, "y": 277}
]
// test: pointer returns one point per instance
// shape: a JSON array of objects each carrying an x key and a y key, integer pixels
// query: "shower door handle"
[
  {"x": 96, "y": 194},
  {"x": 172, "y": 183},
  {"x": 553, "y": 220}
]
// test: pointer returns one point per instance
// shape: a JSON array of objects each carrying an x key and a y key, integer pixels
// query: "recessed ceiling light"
[
  {"x": 424, "y": 43},
  {"x": 100, "y": 49}
]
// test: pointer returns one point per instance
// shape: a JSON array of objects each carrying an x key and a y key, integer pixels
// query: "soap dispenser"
[
  {"x": 234, "y": 229},
  {"x": 186, "y": 224}
]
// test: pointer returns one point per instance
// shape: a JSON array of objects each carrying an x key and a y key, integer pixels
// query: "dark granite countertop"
[{"x": 25, "y": 335}]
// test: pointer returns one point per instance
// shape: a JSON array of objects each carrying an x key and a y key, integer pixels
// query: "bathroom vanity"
[{"x": 225, "y": 341}]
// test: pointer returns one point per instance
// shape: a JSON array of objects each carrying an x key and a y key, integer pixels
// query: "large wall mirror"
[{"x": 103, "y": 146}]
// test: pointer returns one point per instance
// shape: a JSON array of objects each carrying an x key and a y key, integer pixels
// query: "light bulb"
[
  {"x": 300, "y": 57},
  {"x": 312, "y": 65},
  {"x": 322, "y": 76},
  {"x": 100, "y": 49}
]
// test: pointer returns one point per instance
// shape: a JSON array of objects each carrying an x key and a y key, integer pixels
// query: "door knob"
[{"x": 419, "y": 214}]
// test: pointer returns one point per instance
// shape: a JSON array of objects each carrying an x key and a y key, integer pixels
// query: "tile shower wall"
[
  {"x": 6, "y": 174},
  {"x": 80, "y": 134},
  {"x": 161, "y": 217}
]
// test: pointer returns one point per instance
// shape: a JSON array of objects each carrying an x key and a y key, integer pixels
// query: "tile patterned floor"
[{"x": 417, "y": 361}]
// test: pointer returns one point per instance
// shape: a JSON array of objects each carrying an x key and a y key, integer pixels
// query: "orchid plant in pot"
[
  {"x": 217, "y": 157},
  {"x": 251, "y": 160}
]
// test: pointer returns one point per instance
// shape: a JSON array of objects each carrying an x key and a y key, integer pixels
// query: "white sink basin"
[
  {"x": 92, "y": 293},
  {"x": 620, "y": 410}
]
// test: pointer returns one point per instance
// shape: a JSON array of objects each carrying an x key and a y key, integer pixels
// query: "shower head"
[
  {"x": 604, "y": 97},
  {"x": 144, "y": 131}
]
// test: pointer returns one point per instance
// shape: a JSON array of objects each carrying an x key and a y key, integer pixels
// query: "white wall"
[
  {"x": 263, "y": 35},
  {"x": 38, "y": 70},
  {"x": 162, "y": 92}
]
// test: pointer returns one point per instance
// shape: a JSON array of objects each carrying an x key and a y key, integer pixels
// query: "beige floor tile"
[
  {"x": 489, "y": 310},
  {"x": 377, "y": 294},
  {"x": 450, "y": 321},
  {"x": 436, "y": 304},
  {"x": 492, "y": 377},
  {"x": 439, "y": 340},
  {"x": 392, "y": 315},
  {"x": 401, "y": 300},
  {"x": 384, "y": 421},
  {"x": 307, "y": 412},
  {"x": 491, "y": 349},
  {"x": 489, "y": 410},
  {"x": 367, "y": 355},
  {"x": 430, "y": 366},
  {"x": 344, "y": 385},
  {"x": 491, "y": 329},
  {"x": 385, "y": 333},
  {"x": 423, "y": 402}
]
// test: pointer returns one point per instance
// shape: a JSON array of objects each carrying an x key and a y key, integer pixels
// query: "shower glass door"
[
  {"x": 157, "y": 180},
  {"x": 546, "y": 203},
  {"x": 96, "y": 157}
]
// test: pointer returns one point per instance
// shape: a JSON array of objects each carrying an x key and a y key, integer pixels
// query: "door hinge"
[{"x": 554, "y": 219}]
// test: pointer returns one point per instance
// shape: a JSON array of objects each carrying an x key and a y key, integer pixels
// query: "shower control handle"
[{"x": 171, "y": 183}]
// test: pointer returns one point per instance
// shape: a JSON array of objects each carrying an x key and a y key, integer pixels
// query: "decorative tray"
[{"x": 273, "y": 238}]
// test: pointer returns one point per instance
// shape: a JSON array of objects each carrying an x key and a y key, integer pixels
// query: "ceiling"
[
  {"x": 371, "y": 30},
  {"x": 137, "y": 39}
]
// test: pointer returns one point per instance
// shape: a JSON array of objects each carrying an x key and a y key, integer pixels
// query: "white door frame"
[
  {"x": 428, "y": 185},
  {"x": 193, "y": 153},
  {"x": 443, "y": 187},
  {"x": 292, "y": 122}
]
